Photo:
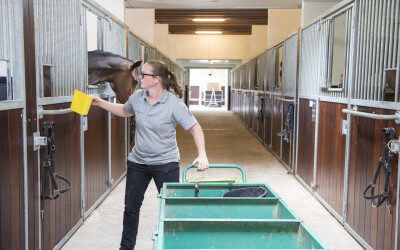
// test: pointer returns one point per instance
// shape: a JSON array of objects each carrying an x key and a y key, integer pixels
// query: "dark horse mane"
[
  {"x": 119, "y": 71},
  {"x": 99, "y": 59}
]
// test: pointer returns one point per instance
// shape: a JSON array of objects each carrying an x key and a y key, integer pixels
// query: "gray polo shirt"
[{"x": 155, "y": 135}]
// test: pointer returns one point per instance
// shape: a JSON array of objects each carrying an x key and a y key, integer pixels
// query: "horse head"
[{"x": 120, "y": 72}]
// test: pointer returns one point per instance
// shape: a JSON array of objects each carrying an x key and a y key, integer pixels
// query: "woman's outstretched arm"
[{"x": 115, "y": 108}]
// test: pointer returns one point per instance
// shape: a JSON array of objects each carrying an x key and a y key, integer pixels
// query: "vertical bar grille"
[
  {"x": 378, "y": 34},
  {"x": 310, "y": 60},
  {"x": 289, "y": 66}
]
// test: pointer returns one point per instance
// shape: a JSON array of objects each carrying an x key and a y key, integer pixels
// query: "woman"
[{"x": 155, "y": 155}]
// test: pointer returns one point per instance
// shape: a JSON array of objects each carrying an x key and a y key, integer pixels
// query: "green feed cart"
[{"x": 195, "y": 215}]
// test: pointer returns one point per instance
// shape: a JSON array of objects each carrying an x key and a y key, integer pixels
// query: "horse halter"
[
  {"x": 48, "y": 168},
  {"x": 386, "y": 163}
]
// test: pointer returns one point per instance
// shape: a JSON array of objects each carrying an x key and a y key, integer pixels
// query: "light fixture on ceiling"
[
  {"x": 208, "y": 32},
  {"x": 208, "y": 19}
]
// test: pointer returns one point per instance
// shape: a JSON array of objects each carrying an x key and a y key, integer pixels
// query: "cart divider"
[{"x": 234, "y": 220}]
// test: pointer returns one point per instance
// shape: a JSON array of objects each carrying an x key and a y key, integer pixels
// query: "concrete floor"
[{"x": 227, "y": 141}]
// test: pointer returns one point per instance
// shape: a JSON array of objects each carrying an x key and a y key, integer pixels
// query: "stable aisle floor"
[{"x": 227, "y": 141}]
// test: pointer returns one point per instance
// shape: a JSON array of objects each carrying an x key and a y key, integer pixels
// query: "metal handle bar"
[
  {"x": 285, "y": 100},
  {"x": 43, "y": 112},
  {"x": 395, "y": 117},
  {"x": 216, "y": 166}
]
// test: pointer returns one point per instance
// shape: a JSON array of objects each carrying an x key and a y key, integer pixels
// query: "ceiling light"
[
  {"x": 209, "y": 32},
  {"x": 208, "y": 19}
]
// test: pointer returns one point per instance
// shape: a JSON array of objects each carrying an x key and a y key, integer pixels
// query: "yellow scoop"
[{"x": 81, "y": 103}]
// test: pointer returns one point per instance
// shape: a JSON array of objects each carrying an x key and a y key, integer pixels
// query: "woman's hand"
[
  {"x": 202, "y": 163},
  {"x": 96, "y": 101}
]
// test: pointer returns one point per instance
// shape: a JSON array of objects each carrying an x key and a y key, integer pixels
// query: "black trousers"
[{"x": 138, "y": 177}]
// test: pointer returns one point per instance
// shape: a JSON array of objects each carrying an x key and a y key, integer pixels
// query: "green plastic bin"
[{"x": 203, "y": 219}]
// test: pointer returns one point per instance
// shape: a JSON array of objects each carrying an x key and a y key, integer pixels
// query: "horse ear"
[{"x": 136, "y": 64}]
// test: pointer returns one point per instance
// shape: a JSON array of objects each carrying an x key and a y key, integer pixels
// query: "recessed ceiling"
[
  {"x": 237, "y": 21},
  {"x": 214, "y": 4}
]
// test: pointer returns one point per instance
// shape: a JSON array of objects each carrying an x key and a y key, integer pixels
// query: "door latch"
[
  {"x": 345, "y": 127},
  {"x": 38, "y": 141}
]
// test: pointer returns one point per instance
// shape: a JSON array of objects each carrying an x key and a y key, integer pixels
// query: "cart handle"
[{"x": 216, "y": 166}]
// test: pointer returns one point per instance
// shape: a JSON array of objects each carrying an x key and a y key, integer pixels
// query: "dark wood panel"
[
  {"x": 255, "y": 112},
  {"x": 226, "y": 30},
  {"x": 331, "y": 154},
  {"x": 243, "y": 98},
  {"x": 268, "y": 119},
  {"x": 287, "y": 147},
  {"x": 62, "y": 214},
  {"x": 118, "y": 166},
  {"x": 249, "y": 109},
  {"x": 252, "y": 110},
  {"x": 305, "y": 160},
  {"x": 276, "y": 126},
  {"x": 12, "y": 181},
  {"x": 96, "y": 156},
  {"x": 375, "y": 225},
  {"x": 260, "y": 122}
]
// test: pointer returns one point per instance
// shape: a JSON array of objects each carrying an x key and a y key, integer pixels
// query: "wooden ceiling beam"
[{"x": 238, "y": 21}]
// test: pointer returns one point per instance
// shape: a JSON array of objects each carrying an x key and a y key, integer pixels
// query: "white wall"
[
  {"x": 258, "y": 39},
  {"x": 311, "y": 10},
  {"x": 209, "y": 46},
  {"x": 3, "y": 68},
  {"x": 142, "y": 22},
  {"x": 171, "y": 47},
  {"x": 116, "y": 7},
  {"x": 214, "y": 47},
  {"x": 281, "y": 24},
  {"x": 91, "y": 22},
  {"x": 161, "y": 37}
]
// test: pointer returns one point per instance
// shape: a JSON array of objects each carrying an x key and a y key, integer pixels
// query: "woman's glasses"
[{"x": 144, "y": 74}]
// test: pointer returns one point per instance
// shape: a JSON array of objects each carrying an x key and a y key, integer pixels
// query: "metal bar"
[
  {"x": 96, "y": 204},
  {"x": 395, "y": 117},
  {"x": 346, "y": 166},
  {"x": 398, "y": 68},
  {"x": 115, "y": 184},
  {"x": 7, "y": 105},
  {"x": 282, "y": 123},
  {"x": 285, "y": 100},
  {"x": 304, "y": 183},
  {"x": 109, "y": 147},
  {"x": 385, "y": 62},
  {"x": 357, "y": 237},
  {"x": 356, "y": 66},
  {"x": 366, "y": 54},
  {"x": 82, "y": 150},
  {"x": 377, "y": 89},
  {"x": 348, "y": 48},
  {"x": 380, "y": 64},
  {"x": 329, "y": 208},
  {"x": 396, "y": 32},
  {"x": 316, "y": 144},
  {"x": 43, "y": 112},
  {"x": 25, "y": 153},
  {"x": 68, "y": 235},
  {"x": 391, "y": 35},
  {"x": 371, "y": 61},
  {"x": 396, "y": 238}
]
